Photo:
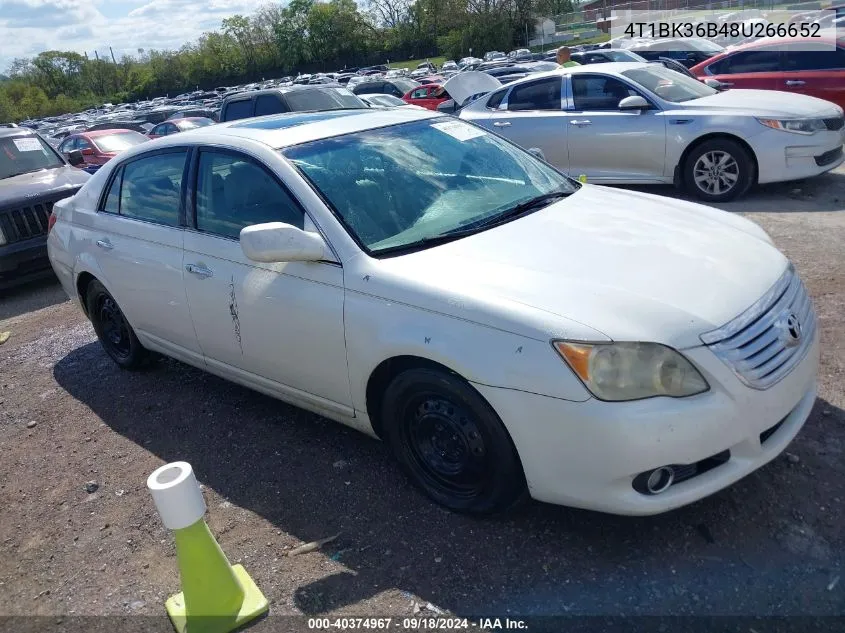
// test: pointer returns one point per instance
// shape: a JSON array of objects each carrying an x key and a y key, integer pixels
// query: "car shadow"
[
  {"x": 32, "y": 296},
  {"x": 822, "y": 193},
  {"x": 312, "y": 478}
]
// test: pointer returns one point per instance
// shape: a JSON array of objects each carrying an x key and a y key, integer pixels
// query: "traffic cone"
[{"x": 216, "y": 597}]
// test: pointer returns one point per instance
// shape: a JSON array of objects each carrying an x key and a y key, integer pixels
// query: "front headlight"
[
  {"x": 800, "y": 126},
  {"x": 631, "y": 371}
]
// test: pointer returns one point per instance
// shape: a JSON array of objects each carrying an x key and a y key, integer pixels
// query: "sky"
[{"x": 28, "y": 27}]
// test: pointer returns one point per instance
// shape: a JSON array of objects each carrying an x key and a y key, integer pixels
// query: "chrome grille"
[{"x": 757, "y": 345}]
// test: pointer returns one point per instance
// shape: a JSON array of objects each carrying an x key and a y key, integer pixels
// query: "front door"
[
  {"x": 608, "y": 144},
  {"x": 278, "y": 327}
]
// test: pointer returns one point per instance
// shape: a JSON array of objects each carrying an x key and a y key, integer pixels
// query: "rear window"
[
  {"x": 120, "y": 141},
  {"x": 323, "y": 99},
  {"x": 268, "y": 104},
  {"x": 240, "y": 109}
]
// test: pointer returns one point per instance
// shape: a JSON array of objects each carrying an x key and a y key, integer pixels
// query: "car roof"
[
  {"x": 6, "y": 132},
  {"x": 280, "y": 89},
  {"x": 96, "y": 133},
  {"x": 824, "y": 38},
  {"x": 292, "y": 128}
]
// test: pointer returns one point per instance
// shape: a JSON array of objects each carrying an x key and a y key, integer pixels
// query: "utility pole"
[{"x": 112, "y": 56}]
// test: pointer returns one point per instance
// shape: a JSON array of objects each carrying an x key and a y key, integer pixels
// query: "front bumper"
[
  {"x": 586, "y": 454},
  {"x": 24, "y": 261},
  {"x": 784, "y": 156}
]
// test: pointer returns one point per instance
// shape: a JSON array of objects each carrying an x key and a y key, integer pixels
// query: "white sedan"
[
  {"x": 506, "y": 330},
  {"x": 625, "y": 123}
]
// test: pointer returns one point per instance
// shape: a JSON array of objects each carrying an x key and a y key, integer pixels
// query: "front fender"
[{"x": 479, "y": 353}]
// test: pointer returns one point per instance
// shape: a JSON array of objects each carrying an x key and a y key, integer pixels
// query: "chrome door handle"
[
  {"x": 105, "y": 244},
  {"x": 581, "y": 122},
  {"x": 502, "y": 124},
  {"x": 727, "y": 83},
  {"x": 794, "y": 82},
  {"x": 199, "y": 270}
]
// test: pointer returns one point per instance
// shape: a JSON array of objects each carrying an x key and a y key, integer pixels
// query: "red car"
[
  {"x": 100, "y": 146},
  {"x": 428, "y": 96},
  {"x": 174, "y": 126},
  {"x": 813, "y": 68}
]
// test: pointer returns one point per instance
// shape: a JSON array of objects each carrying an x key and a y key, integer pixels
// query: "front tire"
[
  {"x": 718, "y": 170},
  {"x": 451, "y": 443},
  {"x": 116, "y": 335}
]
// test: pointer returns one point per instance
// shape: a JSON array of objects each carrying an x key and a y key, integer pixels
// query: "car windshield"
[
  {"x": 405, "y": 85},
  {"x": 668, "y": 84},
  {"x": 618, "y": 55},
  {"x": 705, "y": 46},
  {"x": 190, "y": 124},
  {"x": 119, "y": 141},
  {"x": 399, "y": 187},
  {"x": 24, "y": 154},
  {"x": 322, "y": 99}
]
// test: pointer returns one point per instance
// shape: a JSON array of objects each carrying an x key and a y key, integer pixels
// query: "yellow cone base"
[{"x": 254, "y": 605}]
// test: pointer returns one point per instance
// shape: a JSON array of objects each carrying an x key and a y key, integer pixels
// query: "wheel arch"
[
  {"x": 679, "y": 168},
  {"x": 383, "y": 375}
]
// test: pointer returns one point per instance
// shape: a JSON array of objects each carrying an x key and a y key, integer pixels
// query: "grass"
[{"x": 413, "y": 63}]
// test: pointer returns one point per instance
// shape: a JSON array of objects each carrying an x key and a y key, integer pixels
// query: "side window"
[
  {"x": 599, "y": 92},
  {"x": 81, "y": 143},
  {"x": 268, "y": 104},
  {"x": 234, "y": 192},
  {"x": 152, "y": 188},
  {"x": 112, "y": 202},
  {"x": 419, "y": 93},
  {"x": 68, "y": 145},
  {"x": 390, "y": 89},
  {"x": 756, "y": 61},
  {"x": 241, "y": 109},
  {"x": 159, "y": 130},
  {"x": 537, "y": 95},
  {"x": 820, "y": 59},
  {"x": 495, "y": 99}
]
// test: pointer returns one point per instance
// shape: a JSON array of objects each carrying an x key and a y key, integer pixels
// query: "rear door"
[
  {"x": 755, "y": 69},
  {"x": 531, "y": 115},
  {"x": 137, "y": 241},
  {"x": 237, "y": 109},
  {"x": 815, "y": 70}
]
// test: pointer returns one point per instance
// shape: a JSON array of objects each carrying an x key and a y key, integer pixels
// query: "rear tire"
[
  {"x": 718, "y": 170},
  {"x": 113, "y": 330},
  {"x": 451, "y": 443}
]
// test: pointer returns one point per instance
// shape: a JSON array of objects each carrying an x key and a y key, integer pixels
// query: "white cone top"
[{"x": 177, "y": 495}]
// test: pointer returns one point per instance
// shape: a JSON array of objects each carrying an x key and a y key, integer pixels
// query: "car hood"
[
  {"x": 766, "y": 103},
  {"x": 628, "y": 265},
  {"x": 470, "y": 83},
  {"x": 28, "y": 187}
]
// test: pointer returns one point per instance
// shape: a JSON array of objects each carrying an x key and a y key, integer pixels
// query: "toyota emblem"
[{"x": 791, "y": 330}]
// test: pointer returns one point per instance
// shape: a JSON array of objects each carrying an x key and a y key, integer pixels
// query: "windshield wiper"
[
  {"x": 537, "y": 202},
  {"x": 463, "y": 231}
]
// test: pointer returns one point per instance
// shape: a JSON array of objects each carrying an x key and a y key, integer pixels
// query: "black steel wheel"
[
  {"x": 451, "y": 443},
  {"x": 113, "y": 330}
]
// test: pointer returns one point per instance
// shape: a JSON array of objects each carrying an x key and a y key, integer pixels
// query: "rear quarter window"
[{"x": 241, "y": 109}]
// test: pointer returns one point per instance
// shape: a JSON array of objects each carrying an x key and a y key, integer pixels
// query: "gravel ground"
[{"x": 275, "y": 477}]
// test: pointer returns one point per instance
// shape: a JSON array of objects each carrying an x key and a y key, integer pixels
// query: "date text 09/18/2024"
[{"x": 418, "y": 624}]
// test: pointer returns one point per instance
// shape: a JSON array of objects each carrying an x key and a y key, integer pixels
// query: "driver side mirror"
[
  {"x": 537, "y": 153},
  {"x": 634, "y": 103},
  {"x": 74, "y": 157},
  {"x": 715, "y": 84},
  {"x": 274, "y": 242}
]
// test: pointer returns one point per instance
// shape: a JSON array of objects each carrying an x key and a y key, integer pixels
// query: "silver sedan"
[{"x": 637, "y": 123}]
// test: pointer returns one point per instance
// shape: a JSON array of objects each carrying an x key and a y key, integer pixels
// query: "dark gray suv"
[
  {"x": 288, "y": 99},
  {"x": 33, "y": 176}
]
